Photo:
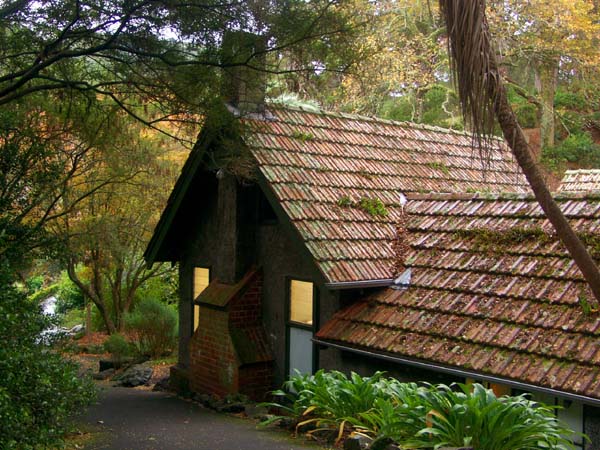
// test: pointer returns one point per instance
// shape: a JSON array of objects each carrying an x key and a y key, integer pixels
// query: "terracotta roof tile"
[
  {"x": 492, "y": 291},
  {"x": 313, "y": 161},
  {"x": 580, "y": 181}
]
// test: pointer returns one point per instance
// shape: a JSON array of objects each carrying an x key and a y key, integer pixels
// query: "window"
[
  {"x": 201, "y": 280},
  {"x": 300, "y": 329},
  {"x": 301, "y": 302}
]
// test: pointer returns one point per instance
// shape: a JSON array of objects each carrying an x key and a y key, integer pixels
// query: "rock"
[
  {"x": 162, "y": 385},
  {"x": 76, "y": 329},
  {"x": 104, "y": 375},
  {"x": 256, "y": 412},
  {"x": 287, "y": 422},
  {"x": 137, "y": 375},
  {"x": 357, "y": 442},
  {"x": 207, "y": 400},
  {"x": 231, "y": 408}
]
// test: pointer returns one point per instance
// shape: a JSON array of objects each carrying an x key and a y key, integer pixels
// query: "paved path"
[{"x": 143, "y": 420}]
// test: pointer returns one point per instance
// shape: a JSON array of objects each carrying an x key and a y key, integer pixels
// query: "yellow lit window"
[
  {"x": 498, "y": 389},
  {"x": 301, "y": 302},
  {"x": 201, "y": 280}
]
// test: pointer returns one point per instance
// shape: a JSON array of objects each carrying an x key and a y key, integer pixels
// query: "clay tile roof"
[
  {"x": 321, "y": 165},
  {"x": 489, "y": 279},
  {"x": 580, "y": 181}
]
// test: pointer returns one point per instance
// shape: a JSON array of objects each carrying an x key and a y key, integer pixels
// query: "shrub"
[
  {"x": 421, "y": 416},
  {"x": 68, "y": 295},
  {"x": 155, "y": 327},
  {"x": 39, "y": 390},
  {"x": 118, "y": 347},
  {"x": 577, "y": 148},
  {"x": 473, "y": 416}
]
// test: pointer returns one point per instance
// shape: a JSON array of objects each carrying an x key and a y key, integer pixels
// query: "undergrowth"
[{"x": 417, "y": 417}]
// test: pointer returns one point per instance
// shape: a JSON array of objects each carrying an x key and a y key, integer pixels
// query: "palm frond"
[{"x": 473, "y": 65}]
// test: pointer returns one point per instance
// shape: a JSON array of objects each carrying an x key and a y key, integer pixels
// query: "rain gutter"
[
  {"x": 360, "y": 284},
  {"x": 461, "y": 372}
]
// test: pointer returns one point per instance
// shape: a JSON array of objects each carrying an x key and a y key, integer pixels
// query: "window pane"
[
  {"x": 301, "y": 302},
  {"x": 196, "y": 316},
  {"x": 201, "y": 276},
  {"x": 201, "y": 279}
]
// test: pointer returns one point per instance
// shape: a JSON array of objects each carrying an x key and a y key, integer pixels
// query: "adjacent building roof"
[
  {"x": 493, "y": 292},
  {"x": 338, "y": 179},
  {"x": 580, "y": 181}
]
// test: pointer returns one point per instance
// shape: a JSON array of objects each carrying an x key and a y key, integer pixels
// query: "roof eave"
[
  {"x": 361, "y": 284},
  {"x": 178, "y": 193},
  {"x": 422, "y": 364}
]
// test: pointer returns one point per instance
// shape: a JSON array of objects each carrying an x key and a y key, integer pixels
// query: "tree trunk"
[
  {"x": 520, "y": 149},
  {"x": 547, "y": 72},
  {"x": 483, "y": 98}
]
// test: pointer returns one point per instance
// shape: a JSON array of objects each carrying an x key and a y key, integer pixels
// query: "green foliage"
[
  {"x": 118, "y": 347},
  {"x": 34, "y": 283},
  {"x": 398, "y": 108},
  {"x": 72, "y": 317},
  {"x": 472, "y": 416},
  {"x": 527, "y": 115},
  {"x": 344, "y": 202},
  {"x": 303, "y": 136},
  {"x": 576, "y": 148},
  {"x": 155, "y": 327},
  {"x": 163, "y": 287},
  {"x": 439, "y": 165},
  {"x": 39, "y": 390},
  {"x": 43, "y": 293},
  {"x": 373, "y": 207},
  {"x": 569, "y": 100},
  {"x": 68, "y": 295},
  {"x": 497, "y": 241},
  {"x": 421, "y": 416}
]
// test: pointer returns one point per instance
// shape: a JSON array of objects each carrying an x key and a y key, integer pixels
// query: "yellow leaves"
[
  {"x": 539, "y": 28},
  {"x": 399, "y": 50}
]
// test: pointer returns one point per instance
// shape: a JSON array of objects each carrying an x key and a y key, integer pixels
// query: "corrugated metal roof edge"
[{"x": 455, "y": 370}]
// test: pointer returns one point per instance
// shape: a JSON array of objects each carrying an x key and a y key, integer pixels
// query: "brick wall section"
[
  {"x": 214, "y": 364},
  {"x": 245, "y": 311},
  {"x": 256, "y": 380},
  {"x": 213, "y": 361}
]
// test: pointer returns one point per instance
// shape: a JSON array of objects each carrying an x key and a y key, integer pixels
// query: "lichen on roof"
[{"x": 337, "y": 177}]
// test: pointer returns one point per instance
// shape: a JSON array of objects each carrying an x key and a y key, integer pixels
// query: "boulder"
[
  {"x": 137, "y": 375},
  {"x": 104, "y": 375},
  {"x": 76, "y": 330}
]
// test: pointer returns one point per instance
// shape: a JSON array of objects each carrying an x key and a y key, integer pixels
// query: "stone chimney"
[{"x": 244, "y": 81}]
